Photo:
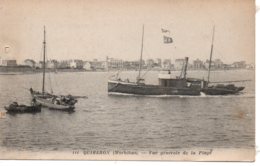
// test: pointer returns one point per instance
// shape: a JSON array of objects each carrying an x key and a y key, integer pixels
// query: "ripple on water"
[{"x": 105, "y": 121}]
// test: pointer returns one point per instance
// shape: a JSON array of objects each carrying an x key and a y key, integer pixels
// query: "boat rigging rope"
[
  {"x": 146, "y": 72},
  {"x": 182, "y": 70},
  {"x": 150, "y": 67},
  {"x": 116, "y": 74}
]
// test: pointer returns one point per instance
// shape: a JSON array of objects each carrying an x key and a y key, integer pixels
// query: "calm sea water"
[{"x": 109, "y": 122}]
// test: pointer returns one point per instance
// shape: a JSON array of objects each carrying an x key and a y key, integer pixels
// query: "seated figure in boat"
[
  {"x": 14, "y": 104},
  {"x": 70, "y": 100},
  {"x": 33, "y": 103},
  {"x": 31, "y": 90},
  {"x": 57, "y": 101}
]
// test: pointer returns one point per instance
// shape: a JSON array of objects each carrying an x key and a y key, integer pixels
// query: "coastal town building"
[
  {"x": 167, "y": 64},
  {"x": 87, "y": 66},
  {"x": 38, "y": 65},
  {"x": 8, "y": 62},
  {"x": 239, "y": 64},
  {"x": 63, "y": 64},
  {"x": 158, "y": 62},
  {"x": 98, "y": 65},
  {"x": 112, "y": 63},
  {"x": 30, "y": 62},
  {"x": 132, "y": 65},
  {"x": 72, "y": 64},
  {"x": 179, "y": 64},
  {"x": 51, "y": 64},
  {"x": 198, "y": 64},
  {"x": 250, "y": 66},
  {"x": 218, "y": 64},
  {"x": 206, "y": 64},
  {"x": 79, "y": 63},
  {"x": 149, "y": 63},
  {"x": 215, "y": 64}
]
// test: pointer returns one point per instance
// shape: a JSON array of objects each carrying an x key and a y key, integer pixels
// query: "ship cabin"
[{"x": 168, "y": 80}]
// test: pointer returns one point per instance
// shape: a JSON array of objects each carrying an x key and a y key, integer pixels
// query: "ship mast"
[
  {"x": 211, "y": 52},
  {"x": 185, "y": 67},
  {"x": 141, "y": 60},
  {"x": 44, "y": 47}
]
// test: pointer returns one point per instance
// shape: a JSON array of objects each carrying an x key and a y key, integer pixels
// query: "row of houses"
[
  {"x": 67, "y": 64},
  {"x": 108, "y": 64},
  {"x": 218, "y": 64},
  {"x": 7, "y": 62},
  {"x": 177, "y": 64},
  {"x": 200, "y": 65},
  {"x": 119, "y": 64}
]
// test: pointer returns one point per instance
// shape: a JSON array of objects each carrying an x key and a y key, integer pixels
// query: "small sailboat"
[
  {"x": 168, "y": 84},
  {"x": 49, "y": 100}
]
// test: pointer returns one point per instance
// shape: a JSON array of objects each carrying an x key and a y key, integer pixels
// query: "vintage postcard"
[{"x": 170, "y": 80}]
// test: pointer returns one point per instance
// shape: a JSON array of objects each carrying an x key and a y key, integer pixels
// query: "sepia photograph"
[{"x": 168, "y": 80}]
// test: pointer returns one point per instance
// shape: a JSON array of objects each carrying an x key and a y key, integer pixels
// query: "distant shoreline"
[{"x": 17, "y": 70}]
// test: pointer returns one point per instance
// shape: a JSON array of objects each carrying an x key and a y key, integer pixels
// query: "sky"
[{"x": 88, "y": 29}]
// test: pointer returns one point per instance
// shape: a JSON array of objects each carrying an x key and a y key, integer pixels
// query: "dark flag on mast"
[
  {"x": 165, "y": 30},
  {"x": 167, "y": 39}
]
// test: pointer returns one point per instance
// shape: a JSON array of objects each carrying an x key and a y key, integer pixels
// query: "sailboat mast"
[
  {"x": 141, "y": 57},
  {"x": 211, "y": 52},
  {"x": 44, "y": 47}
]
